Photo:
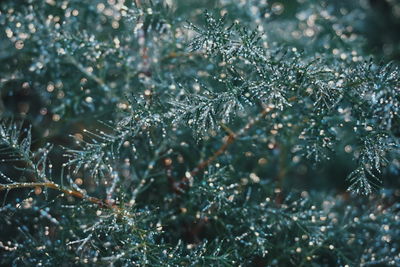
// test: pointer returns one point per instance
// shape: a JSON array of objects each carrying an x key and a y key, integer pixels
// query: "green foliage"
[{"x": 147, "y": 133}]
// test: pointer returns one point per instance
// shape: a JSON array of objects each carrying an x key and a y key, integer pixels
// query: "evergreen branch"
[
  {"x": 64, "y": 190},
  {"x": 107, "y": 204},
  {"x": 159, "y": 100},
  {"x": 228, "y": 140},
  {"x": 89, "y": 74}
]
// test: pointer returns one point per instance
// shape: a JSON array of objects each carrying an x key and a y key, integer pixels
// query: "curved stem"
[
  {"x": 55, "y": 186},
  {"x": 229, "y": 139}
]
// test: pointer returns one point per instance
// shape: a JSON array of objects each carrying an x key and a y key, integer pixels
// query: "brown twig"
[
  {"x": 229, "y": 139},
  {"x": 66, "y": 191},
  {"x": 178, "y": 186}
]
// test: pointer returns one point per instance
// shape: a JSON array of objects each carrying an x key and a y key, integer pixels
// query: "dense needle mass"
[{"x": 199, "y": 133}]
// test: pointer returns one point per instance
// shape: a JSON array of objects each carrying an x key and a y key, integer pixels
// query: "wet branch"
[
  {"x": 57, "y": 187},
  {"x": 228, "y": 140}
]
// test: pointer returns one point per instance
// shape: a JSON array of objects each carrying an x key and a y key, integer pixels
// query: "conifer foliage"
[{"x": 198, "y": 133}]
